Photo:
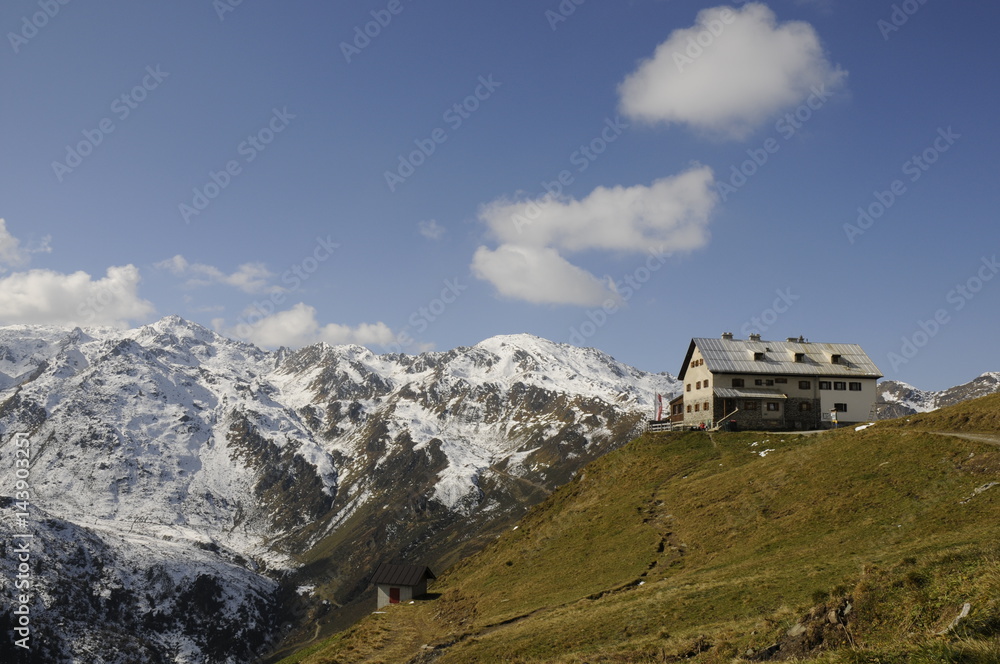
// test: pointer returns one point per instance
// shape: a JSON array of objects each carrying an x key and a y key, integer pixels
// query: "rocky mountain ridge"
[
  {"x": 897, "y": 399},
  {"x": 196, "y": 499},
  {"x": 168, "y": 460}
]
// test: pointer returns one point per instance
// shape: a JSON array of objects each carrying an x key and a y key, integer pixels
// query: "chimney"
[
  {"x": 728, "y": 336},
  {"x": 754, "y": 337}
]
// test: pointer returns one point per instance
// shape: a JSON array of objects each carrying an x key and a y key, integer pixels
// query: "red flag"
[{"x": 659, "y": 407}]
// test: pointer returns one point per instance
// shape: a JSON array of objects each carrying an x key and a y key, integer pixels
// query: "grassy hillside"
[
  {"x": 850, "y": 546},
  {"x": 983, "y": 415}
]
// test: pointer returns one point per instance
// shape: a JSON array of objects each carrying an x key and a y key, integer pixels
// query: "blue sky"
[{"x": 411, "y": 175}]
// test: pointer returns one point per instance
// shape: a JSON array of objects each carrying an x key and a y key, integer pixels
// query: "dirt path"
[
  {"x": 990, "y": 439},
  {"x": 408, "y": 631}
]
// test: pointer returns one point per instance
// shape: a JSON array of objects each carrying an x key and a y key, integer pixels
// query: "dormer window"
[
  {"x": 800, "y": 357},
  {"x": 835, "y": 359},
  {"x": 758, "y": 356}
]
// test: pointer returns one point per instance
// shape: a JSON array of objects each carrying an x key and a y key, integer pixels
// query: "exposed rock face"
[
  {"x": 177, "y": 476},
  {"x": 825, "y": 627},
  {"x": 901, "y": 399}
]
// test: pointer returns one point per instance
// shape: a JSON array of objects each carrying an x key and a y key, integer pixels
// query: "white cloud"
[
  {"x": 177, "y": 265},
  {"x": 10, "y": 248},
  {"x": 53, "y": 298},
  {"x": 672, "y": 214},
  {"x": 13, "y": 254},
  {"x": 297, "y": 327},
  {"x": 538, "y": 275},
  {"x": 431, "y": 230},
  {"x": 673, "y": 211},
  {"x": 729, "y": 72},
  {"x": 249, "y": 277}
]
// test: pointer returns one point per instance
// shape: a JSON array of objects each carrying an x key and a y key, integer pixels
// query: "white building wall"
[
  {"x": 405, "y": 594},
  {"x": 859, "y": 402},
  {"x": 698, "y": 384}
]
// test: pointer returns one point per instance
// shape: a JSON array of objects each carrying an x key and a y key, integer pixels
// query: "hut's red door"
[{"x": 393, "y": 595}]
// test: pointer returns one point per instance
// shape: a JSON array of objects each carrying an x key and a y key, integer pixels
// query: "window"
[
  {"x": 758, "y": 356},
  {"x": 805, "y": 407},
  {"x": 689, "y": 387},
  {"x": 799, "y": 357},
  {"x": 835, "y": 359},
  {"x": 697, "y": 385},
  {"x": 707, "y": 407},
  {"x": 780, "y": 380},
  {"x": 855, "y": 387},
  {"x": 689, "y": 408},
  {"x": 769, "y": 382},
  {"x": 840, "y": 407},
  {"x": 704, "y": 383},
  {"x": 805, "y": 384},
  {"x": 758, "y": 381},
  {"x": 773, "y": 406},
  {"x": 737, "y": 382},
  {"x": 750, "y": 405},
  {"x": 697, "y": 407},
  {"x": 823, "y": 385},
  {"x": 839, "y": 385}
]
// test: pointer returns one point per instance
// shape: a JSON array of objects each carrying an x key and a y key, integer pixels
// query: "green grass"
[
  {"x": 686, "y": 546},
  {"x": 984, "y": 417}
]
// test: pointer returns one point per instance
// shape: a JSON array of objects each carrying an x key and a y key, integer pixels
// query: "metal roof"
[
  {"x": 401, "y": 575},
  {"x": 748, "y": 393},
  {"x": 736, "y": 356}
]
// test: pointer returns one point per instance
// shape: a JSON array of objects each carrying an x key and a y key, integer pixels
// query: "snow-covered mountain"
[
  {"x": 901, "y": 399},
  {"x": 173, "y": 468}
]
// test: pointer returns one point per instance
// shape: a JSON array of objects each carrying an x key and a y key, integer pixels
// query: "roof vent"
[{"x": 728, "y": 336}]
